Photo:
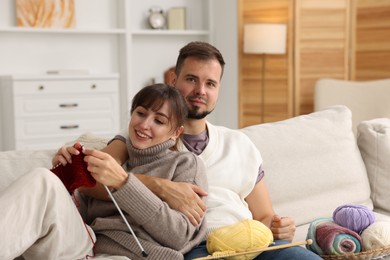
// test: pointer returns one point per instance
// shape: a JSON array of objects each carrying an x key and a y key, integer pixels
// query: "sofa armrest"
[
  {"x": 373, "y": 138},
  {"x": 14, "y": 164}
]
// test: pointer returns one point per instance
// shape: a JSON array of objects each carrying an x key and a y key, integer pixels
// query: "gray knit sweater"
[{"x": 164, "y": 233}]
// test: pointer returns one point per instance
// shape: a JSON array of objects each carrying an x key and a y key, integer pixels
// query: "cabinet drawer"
[
  {"x": 65, "y": 86},
  {"x": 41, "y": 128},
  {"x": 25, "y": 106}
]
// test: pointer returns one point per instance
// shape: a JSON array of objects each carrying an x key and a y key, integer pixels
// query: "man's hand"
[
  {"x": 181, "y": 196},
  {"x": 184, "y": 197},
  {"x": 283, "y": 228}
]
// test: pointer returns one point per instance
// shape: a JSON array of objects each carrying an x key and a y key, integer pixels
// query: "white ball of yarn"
[{"x": 376, "y": 235}]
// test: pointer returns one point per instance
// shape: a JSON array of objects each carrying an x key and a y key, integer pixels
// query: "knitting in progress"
[{"x": 74, "y": 175}]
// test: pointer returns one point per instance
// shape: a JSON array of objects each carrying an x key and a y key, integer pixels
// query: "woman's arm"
[
  {"x": 174, "y": 229},
  {"x": 180, "y": 196},
  {"x": 118, "y": 150}
]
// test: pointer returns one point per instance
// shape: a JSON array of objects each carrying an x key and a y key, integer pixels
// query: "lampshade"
[{"x": 265, "y": 38}]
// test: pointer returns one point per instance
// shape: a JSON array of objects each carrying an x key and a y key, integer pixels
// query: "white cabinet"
[{"x": 45, "y": 112}]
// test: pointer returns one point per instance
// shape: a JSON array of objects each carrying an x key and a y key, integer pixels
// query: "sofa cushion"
[
  {"x": 13, "y": 164},
  {"x": 91, "y": 141},
  {"x": 373, "y": 139},
  {"x": 312, "y": 164}
]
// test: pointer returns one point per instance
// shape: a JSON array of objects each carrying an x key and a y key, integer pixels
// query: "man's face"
[{"x": 199, "y": 82}]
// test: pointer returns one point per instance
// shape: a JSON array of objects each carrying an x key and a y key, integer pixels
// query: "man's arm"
[
  {"x": 260, "y": 205},
  {"x": 118, "y": 150},
  {"x": 180, "y": 196}
]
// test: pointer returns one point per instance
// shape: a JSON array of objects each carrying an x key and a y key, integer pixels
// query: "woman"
[{"x": 49, "y": 226}]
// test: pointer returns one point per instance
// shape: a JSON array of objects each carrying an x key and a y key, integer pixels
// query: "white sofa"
[{"x": 312, "y": 164}]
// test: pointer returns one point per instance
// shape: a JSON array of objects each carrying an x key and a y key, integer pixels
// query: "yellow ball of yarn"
[{"x": 245, "y": 235}]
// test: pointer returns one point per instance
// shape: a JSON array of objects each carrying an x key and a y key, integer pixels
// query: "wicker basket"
[{"x": 365, "y": 255}]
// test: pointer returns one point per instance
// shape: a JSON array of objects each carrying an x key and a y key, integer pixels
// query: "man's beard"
[
  {"x": 193, "y": 113},
  {"x": 193, "y": 109}
]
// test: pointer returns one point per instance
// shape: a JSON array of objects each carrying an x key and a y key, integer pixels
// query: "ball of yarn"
[
  {"x": 245, "y": 235},
  {"x": 332, "y": 239},
  {"x": 354, "y": 217},
  {"x": 376, "y": 235}
]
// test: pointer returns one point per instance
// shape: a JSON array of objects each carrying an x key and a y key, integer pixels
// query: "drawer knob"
[
  {"x": 93, "y": 86},
  {"x": 69, "y": 126},
  {"x": 41, "y": 87},
  {"x": 69, "y": 105}
]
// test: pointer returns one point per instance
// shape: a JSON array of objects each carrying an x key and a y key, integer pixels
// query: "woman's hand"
[
  {"x": 64, "y": 155},
  {"x": 105, "y": 169},
  {"x": 283, "y": 228}
]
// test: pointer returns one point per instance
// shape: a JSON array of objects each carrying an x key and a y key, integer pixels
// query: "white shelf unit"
[
  {"x": 113, "y": 37},
  {"x": 155, "y": 51},
  {"x": 171, "y": 32},
  {"x": 61, "y": 31}
]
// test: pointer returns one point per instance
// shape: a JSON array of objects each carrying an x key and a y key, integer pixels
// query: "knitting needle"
[
  {"x": 144, "y": 254},
  {"x": 308, "y": 242}
]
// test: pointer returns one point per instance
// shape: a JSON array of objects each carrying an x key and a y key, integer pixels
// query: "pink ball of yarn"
[{"x": 353, "y": 217}]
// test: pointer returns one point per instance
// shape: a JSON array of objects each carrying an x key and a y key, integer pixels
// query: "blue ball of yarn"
[{"x": 354, "y": 217}]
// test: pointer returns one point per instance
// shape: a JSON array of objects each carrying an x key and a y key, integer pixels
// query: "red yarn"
[{"x": 74, "y": 175}]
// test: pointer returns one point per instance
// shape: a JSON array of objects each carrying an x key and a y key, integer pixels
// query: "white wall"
[{"x": 224, "y": 37}]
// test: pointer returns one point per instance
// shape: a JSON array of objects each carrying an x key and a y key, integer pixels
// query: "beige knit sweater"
[{"x": 164, "y": 233}]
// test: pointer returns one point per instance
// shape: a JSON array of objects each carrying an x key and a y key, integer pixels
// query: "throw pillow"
[
  {"x": 312, "y": 164},
  {"x": 373, "y": 138}
]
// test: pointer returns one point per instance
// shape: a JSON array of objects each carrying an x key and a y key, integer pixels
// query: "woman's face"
[{"x": 148, "y": 128}]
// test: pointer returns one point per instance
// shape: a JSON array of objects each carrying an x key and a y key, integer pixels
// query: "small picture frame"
[{"x": 176, "y": 18}]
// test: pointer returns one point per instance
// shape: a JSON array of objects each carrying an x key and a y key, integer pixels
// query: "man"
[{"x": 233, "y": 164}]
